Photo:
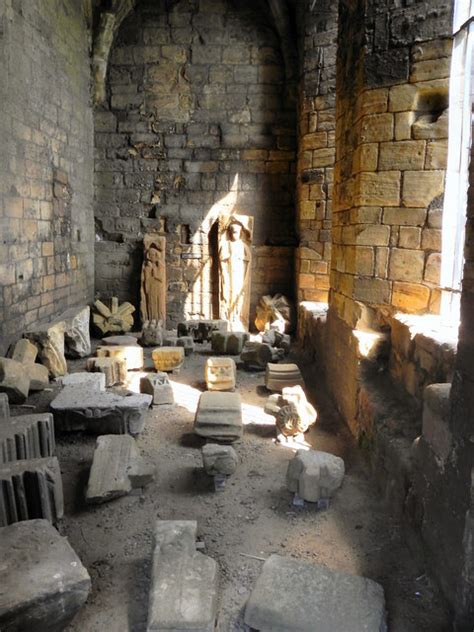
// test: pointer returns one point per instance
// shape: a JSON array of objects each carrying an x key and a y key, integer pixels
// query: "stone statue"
[
  {"x": 153, "y": 280},
  {"x": 235, "y": 235}
]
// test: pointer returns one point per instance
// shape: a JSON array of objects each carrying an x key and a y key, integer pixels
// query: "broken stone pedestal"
[
  {"x": 14, "y": 381},
  {"x": 44, "y": 583},
  {"x": 228, "y": 343},
  {"x": 26, "y": 437},
  {"x": 219, "y": 459},
  {"x": 77, "y": 339},
  {"x": 314, "y": 475},
  {"x": 131, "y": 354},
  {"x": 183, "y": 594},
  {"x": 114, "y": 369},
  {"x": 49, "y": 339},
  {"x": 220, "y": 374},
  {"x": 279, "y": 376},
  {"x": 117, "y": 468},
  {"x": 101, "y": 413},
  {"x": 158, "y": 386},
  {"x": 219, "y": 417},
  {"x": 298, "y": 595},
  {"x": 168, "y": 358},
  {"x": 31, "y": 489}
]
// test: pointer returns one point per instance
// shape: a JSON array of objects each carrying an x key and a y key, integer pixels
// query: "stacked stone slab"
[
  {"x": 77, "y": 408},
  {"x": 279, "y": 376},
  {"x": 26, "y": 437},
  {"x": 114, "y": 369},
  {"x": 228, "y": 343},
  {"x": 158, "y": 386},
  {"x": 298, "y": 595},
  {"x": 49, "y": 339},
  {"x": 31, "y": 489},
  {"x": 314, "y": 475},
  {"x": 183, "y": 594},
  {"x": 44, "y": 583},
  {"x": 131, "y": 354},
  {"x": 117, "y": 468},
  {"x": 219, "y": 417}
]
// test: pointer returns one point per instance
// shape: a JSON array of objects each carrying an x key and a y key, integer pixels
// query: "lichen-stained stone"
[
  {"x": 158, "y": 386},
  {"x": 298, "y": 595},
  {"x": 183, "y": 594},
  {"x": 50, "y": 342},
  {"x": 31, "y": 489},
  {"x": 114, "y": 369},
  {"x": 27, "y": 437},
  {"x": 168, "y": 358},
  {"x": 219, "y": 417},
  {"x": 313, "y": 474},
  {"x": 14, "y": 380},
  {"x": 132, "y": 354},
  {"x": 220, "y": 374},
  {"x": 76, "y": 336},
  {"x": 100, "y": 413},
  {"x": 57, "y": 586}
]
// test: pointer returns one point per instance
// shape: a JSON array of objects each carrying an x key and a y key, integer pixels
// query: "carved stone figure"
[
  {"x": 235, "y": 235},
  {"x": 153, "y": 280}
]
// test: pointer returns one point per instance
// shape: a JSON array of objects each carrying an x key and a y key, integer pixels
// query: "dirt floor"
[{"x": 253, "y": 516}]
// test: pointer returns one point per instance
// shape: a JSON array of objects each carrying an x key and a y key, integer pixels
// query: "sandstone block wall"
[
  {"x": 46, "y": 214},
  {"x": 199, "y": 119}
]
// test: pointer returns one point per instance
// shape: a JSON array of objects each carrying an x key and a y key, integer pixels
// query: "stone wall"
[
  {"x": 317, "y": 27},
  {"x": 199, "y": 120},
  {"x": 46, "y": 218}
]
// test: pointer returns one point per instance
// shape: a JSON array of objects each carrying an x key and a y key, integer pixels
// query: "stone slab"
[
  {"x": 158, "y": 386},
  {"x": 313, "y": 474},
  {"x": 94, "y": 381},
  {"x": 77, "y": 338},
  {"x": 131, "y": 354},
  {"x": 31, "y": 489},
  {"x": 219, "y": 459},
  {"x": 44, "y": 583},
  {"x": 220, "y": 374},
  {"x": 49, "y": 339},
  {"x": 295, "y": 595},
  {"x": 168, "y": 358},
  {"x": 183, "y": 594},
  {"x": 219, "y": 416},
  {"x": 27, "y": 437},
  {"x": 117, "y": 468},
  {"x": 101, "y": 413},
  {"x": 14, "y": 381},
  {"x": 279, "y": 376}
]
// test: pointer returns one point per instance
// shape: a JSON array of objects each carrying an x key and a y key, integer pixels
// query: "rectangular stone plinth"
[
  {"x": 280, "y": 376},
  {"x": 183, "y": 594},
  {"x": 31, "y": 489},
  {"x": 219, "y": 417},
  {"x": 220, "y": 374},
  {"x": 100, "y": 413},
  {"x": 27, "y": 437},
  {"x": 44, "y": 583},
  {"x": 131, "y": 354},
  {"x": 168, "y": 358}
]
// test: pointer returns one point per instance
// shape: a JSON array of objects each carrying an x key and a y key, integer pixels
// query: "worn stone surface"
[
  {"x": 299, "y": 595},
  {"x": 76, "y": 335},
  {"x": 114, "y": 369},
  {"x": 93, "y": 381},
  {"x": 292, "y": 411},
  {"x": 183, "y": 594},
  {"x": 153, "y": 284},
  {"x": 158, "y": 386},
  {"x": 14, "y": 380},
  {"x": 131, "y": 354},
  {"x": 58, "y": 584},
  {"x": 280, "y": 376},
  {"x": 228, "y": 343},
  {"x": 116, "y": 469},
  {"x": 219, "y": 416},
  {"x": 219, "y": 459},
  {"x": 313, "y": 474},
  {"x": 100, "y": 413},
  {"x": 31, "y": 489},
  {"x": 220, "y": 374},
  {"x": 168, "y": 358},
  {"x": 49, "y": 340},
  {"x": 26, "y": 437},
  {"x": 38, "y": 375}
]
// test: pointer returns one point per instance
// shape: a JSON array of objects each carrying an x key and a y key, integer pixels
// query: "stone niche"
[{"x": 200, "y": 124}]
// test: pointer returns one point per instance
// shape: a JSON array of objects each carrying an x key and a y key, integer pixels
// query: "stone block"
[
  {"x": 26, "y": 437},
  {"x": 117, "y": 468},
  {"x": 219, "y": 417},
  {"x": 220, "y": 374},
  {"x": 183, "y": 594},
  {"x": 31, "y": 489},
  {"x": 82, "y": 379},
  {"x": 219, "y": 459},
  {"x": 100, "y": 413},
  {"x": 410, "y": 297},
  {"x": 374, "y": 291},
  {"x": 259, "y": 354},
  {"x": 24, "y": 352},
  {"x": 376, "y": 128},
  {"x": 14, "y": 381},
  {"x": 170, "y": 340},
  {"x": 280, "y": 376},
  {"x": 314, "y": 475},
  {"x": 406, "y": 265},
  {"x": 425, "y": 128},
  {"x": 187, "y": 342},
  {"x": 76, "y": 335},
  {"x": 168, "y": 358},
  {"x": 378, "y": 189},
  {"x": 49, "y": 339},
  {"x": 152, "y": 333},
  {"x": 436, "y": 415},
  {"x": 298, "y": 595},
  {"x": 117, "y": 319},
  {"x": 404, "y": 216},
  {"x": 58, "y": 584},
  {"x": 158, "y": 386},
  {"x": 404, "y": 155},
  {"x": 230, "y": 343},
  {"x": 114, "y": 369},
  {"x": 38, "y": 375},
  {"x": 132, "y": 355},
  {"x": 294, "y": 414},
  {"x": 420, "y": 188},
  {"x": 201, "y": 330}
]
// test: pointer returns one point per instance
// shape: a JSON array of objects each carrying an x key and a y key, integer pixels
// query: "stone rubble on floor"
[
  {"x": 220, "y": 374},
  {"x": 117, "y": 468},
  {"x": 184, "y": 585},
  {"x": 314, "y": 475},
  {"x": 219, "y": 416},
  {"x": 25, "y": 353},
  {"x": 44, "y": 583},
  {"x": 158, "y": 386}
]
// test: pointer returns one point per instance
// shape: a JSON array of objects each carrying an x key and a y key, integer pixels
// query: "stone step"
[
  {"x": 27, "y": 437},
  {"x": 183, "y": 594},
  {"x": 44, "y": 583},
  {"x": 31, "y": 489},
  {"x": 117, "y": 468}
]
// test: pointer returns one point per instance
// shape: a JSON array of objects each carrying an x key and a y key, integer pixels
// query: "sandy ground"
[{"x": 253, "y": 516}]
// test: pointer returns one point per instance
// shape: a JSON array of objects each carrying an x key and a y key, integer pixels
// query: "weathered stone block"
[
  {"x": 220, "y": 374},
  {"x": 259, "y": 354},
  {"x": 14, "y": 380},
  {"x": 132, "y": 355},
  {"x": 201, "y": 330},
  {"x": 406, "y": 265},
  {"x": 378, "y": 189},
  {"x": 168, "y": 358},
  {"x": 230, "y": 343},
  {"x": 219, "y": 416},
  {"x": 410, "y": 297},
  {"x": 405, "y": 155},
  {"x": 82, "y": 379},
  {"x": 420, "y": 188},
  {"x": 280, "y": 376},
  {"x": 404, "y": 216},
  {"x": 114, "y": 369},
  {"x": 314, "y": 475},
  {"x": 376, "y": 291},
  {"x": 158, "y": 386},
  {"x": 187, "y": 343},
  {"x": 38, "y": 375},
  {"x": 4, "y": 408},
  {"x": 24, "y": 352},
  {"x": 219, "y": 459},
  {"x": 49, "y": 339},
  {"x": 377, "y": 128},
  {"x": 57, "y": 586},
  {"x": 26, "y": 437},
  {"x": 120, "y": 341}
]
